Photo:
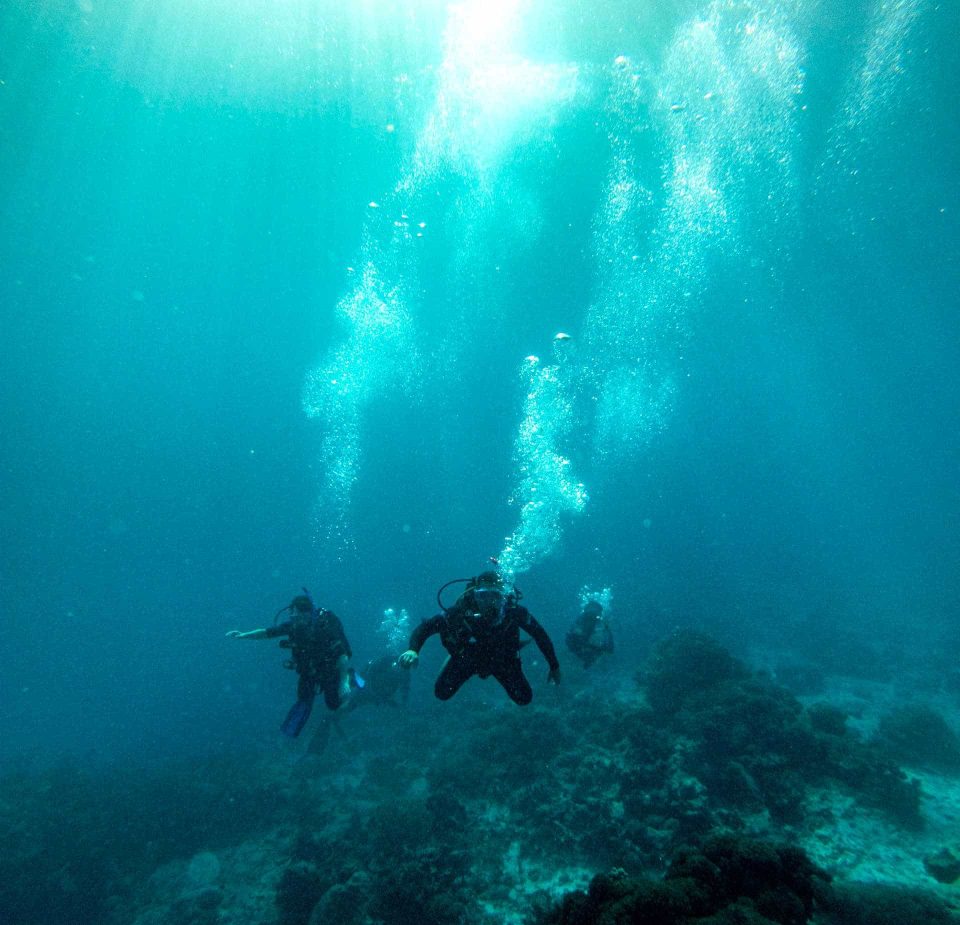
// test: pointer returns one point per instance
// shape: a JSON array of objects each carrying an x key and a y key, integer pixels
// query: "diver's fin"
[{"x": 297, "y": 718}]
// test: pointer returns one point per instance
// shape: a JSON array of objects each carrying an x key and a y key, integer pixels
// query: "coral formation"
[
  {"x": 918, "y": 736},
  {"x": 884, "y": 904},
  {"x": 944, "y": 866},
  {"x": 755, "y": 746},
  {"x": 726, "y": 879},
  {"x": 415, "y": 821}
]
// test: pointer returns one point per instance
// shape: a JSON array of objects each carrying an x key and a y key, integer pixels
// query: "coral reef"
[
  {"x": 74, "y": 836},
  {"x": 883, "y": 904},
  {"x": 494, "y": 815},
  {"x": 918, "y": 736},
  {"x": 684, "y": 671},
  {"x": 944, "y": 866},
  {"x": 754, "y": 745},
  {"x": 298, "y": 891},
  {"x": 727, "y": 879}
]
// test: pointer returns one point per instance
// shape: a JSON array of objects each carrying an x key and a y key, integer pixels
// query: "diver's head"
[
  {"x": 593, "y": 609},
  {"x": 301, "y": 606},
  {"x": 486, "y": 596},
  {"x": 488, "y": 580}
]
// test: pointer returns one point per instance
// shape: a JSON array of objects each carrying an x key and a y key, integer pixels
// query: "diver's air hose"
[{"x": 443, "y": 587}]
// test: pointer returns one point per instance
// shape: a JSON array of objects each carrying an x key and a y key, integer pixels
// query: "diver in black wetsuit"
[
  {"x": 481, "y": 631},
  {"x": 319, "y": 652},
  {"x": 590, "y": 636},
  {"x": 382, "y": 679}
]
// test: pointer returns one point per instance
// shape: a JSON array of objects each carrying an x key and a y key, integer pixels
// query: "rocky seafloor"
[{"x": 702, "y": 790}]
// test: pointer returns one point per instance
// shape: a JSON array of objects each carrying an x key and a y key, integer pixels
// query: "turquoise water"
[
  {"x": 653, "y": 303},
  {"x": 281, "y": 284}
]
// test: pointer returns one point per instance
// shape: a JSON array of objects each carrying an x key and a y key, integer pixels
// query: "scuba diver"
[
  {"x": 590, "y": 635},
  {"x": 319, "y": 651},
  {"x": 381, "y": 680},
  {"x": 481, "y": 633}
]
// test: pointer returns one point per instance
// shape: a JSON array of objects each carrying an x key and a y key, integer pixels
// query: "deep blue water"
[{"x": 745, "y": 215}]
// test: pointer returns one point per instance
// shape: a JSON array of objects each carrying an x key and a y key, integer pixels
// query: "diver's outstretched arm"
[
  {"x": 250, "y": 634},
  {"x": 418, "y": 637}
]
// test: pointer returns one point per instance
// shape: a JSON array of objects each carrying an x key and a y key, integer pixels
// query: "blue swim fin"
[{"x": 297, "y": 718}]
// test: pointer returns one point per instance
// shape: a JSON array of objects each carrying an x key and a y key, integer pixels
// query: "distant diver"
[
  {"x": 381, "y": 682},
  {"x": 319, "y": 652},
  {"x": 590, "y": 636},
  {"x": 481, "y": 633}
]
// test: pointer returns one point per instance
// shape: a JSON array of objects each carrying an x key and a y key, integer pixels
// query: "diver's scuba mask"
[
  {"x": 489, "y": 604},
  {"x": 485, "y": 596}
]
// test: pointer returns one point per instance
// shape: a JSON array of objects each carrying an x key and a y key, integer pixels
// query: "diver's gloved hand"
[
  {"x": 409, "y": 659},
  {"x": 553, "y": 676}
]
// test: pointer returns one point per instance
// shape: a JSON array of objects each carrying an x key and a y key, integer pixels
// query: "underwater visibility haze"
[{"x": 649, "y": 303}]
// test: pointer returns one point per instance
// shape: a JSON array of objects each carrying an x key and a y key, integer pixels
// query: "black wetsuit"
[
  {"x": 316, "y": 642},
  {"x": 479, "y": 649},
  {"x": 589, "y": 638},
  {"x": 382, "y": 678}
]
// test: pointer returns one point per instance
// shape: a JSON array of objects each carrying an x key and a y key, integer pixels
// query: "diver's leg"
[
  {"x": 514, "y": 682},
  {"x": 330, "y": 685},
  {"x": 456, "y": 671},
  {"x": 299, "y": 713},
  {"x": 576, "y": 645}
]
